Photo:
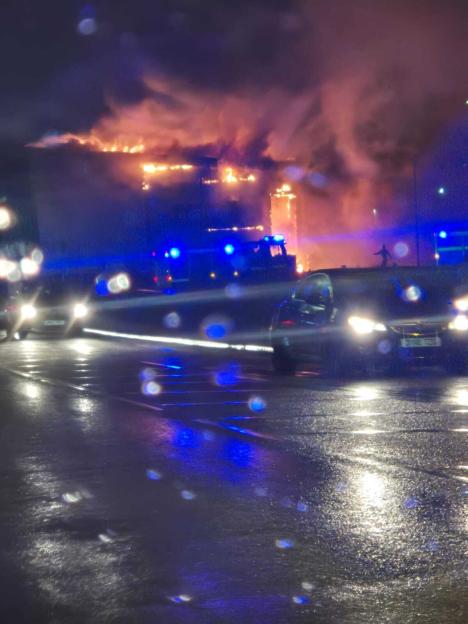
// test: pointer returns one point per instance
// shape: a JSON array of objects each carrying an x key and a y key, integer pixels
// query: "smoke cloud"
[{"x": 350, "y": 93}]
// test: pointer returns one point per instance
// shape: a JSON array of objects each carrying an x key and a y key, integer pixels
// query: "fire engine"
[{"x": 265, "y": 260}]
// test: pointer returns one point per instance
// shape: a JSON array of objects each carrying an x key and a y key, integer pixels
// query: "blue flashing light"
[
  {"x": 441, "y": 190},
  {"x": 174, "y": 252},
  {"x": 276, "y": 238},
  {"x": 229, "y": 249},
  {"x": 166, "y": 255},
  {"x": 443, "y": 234}
]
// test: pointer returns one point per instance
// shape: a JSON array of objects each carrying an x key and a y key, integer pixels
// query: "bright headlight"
[
  {"x": 80, "y": 310},
  {"x": 459, "y": 323},
  {"x": 364, "y": 325},
  {"x": 28, "y": 311},
  {"x": 461, "y": 304}
]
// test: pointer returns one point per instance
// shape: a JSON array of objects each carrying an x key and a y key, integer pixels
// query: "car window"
[{"x": 316, "y": 290}]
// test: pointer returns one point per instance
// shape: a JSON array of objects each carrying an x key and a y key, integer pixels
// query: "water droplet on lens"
[
  {"x": 411, "y": 503},
  {"x": 284, "y": 544},
  {"x": 172, "y": 320},
  {"x": 154, "y": 475},
  {"x": 257, "y": 404},
  {"x": 181, "y": 598},
  {"x": 188, "y": 495},
  {"x": 151, "y": 388},
  {"x": 105, "y": 538},
  {"x": 72, "y": 497}
]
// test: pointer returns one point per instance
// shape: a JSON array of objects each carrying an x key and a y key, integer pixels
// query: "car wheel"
[
  {"x": 16, "y": 335},
  {"x": 283, "y": 363},
  {"x": 335, "y": 364},
  {"x": 75, "y": 332},
  {"x": 395, "y": 368},
  {"x": 370, "y": 368}
]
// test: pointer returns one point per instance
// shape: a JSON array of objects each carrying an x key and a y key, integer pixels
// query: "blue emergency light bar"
[{"x": 275, "y": 238}]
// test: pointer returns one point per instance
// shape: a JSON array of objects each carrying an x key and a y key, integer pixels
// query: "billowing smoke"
[{"x": 345, "y": 94}]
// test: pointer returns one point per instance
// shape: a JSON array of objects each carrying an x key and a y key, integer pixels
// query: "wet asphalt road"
[{"x": 145, "y": 484}]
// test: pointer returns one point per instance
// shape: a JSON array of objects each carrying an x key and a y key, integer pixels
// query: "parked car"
[
  {"x": 348, "y": 319},
  {"x": 17, "y": 310},
  {"x": 62, "y": 306}
]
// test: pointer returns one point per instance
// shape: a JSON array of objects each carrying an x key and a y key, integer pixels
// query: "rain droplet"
[
  {"x": 209, "y": 436},
  {"x": 87, "y": 26},
  {"x": 257, "y": 404},
  {"x": 154, "y": 475},
  {"x": 172, "y": 320},
  {"x": 284, "y": 544},
  {"x": 72, "y": 497},
  {"x": 148, "y": 374},
  {"x": 105, "y": 538},
  {"x": 188, "y": 495},
  {"x": 151, "y": 388},
  {"x": 411, "y": 503},
  {"x": 181, "y": 598}
]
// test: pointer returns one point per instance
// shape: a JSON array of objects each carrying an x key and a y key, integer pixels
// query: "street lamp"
[{"x": 416, "y": 213}]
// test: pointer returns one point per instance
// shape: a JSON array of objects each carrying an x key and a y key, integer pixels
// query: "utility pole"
[{"x": 416, "y": 213}]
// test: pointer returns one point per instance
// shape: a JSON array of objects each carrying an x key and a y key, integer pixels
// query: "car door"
[{"x": 315, "y": 306}]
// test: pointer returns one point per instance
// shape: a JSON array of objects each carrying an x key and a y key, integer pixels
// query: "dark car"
[
  {"x": 349, "y": 319},
  {"x": 62, "y": 305},
  {"x": 17, "y": 310}
]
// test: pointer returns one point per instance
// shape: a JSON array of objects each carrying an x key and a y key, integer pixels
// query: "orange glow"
[
  {"x": 229, "y": 177},
  {"x": 154, "y": 168},
  {"x": 300, "y": 269},
  {"x": 235, "y": 228},
  {"x": 284, "y": 191}
]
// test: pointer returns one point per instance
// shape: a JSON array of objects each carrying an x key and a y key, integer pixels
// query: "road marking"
[
  {"x": 184, "y": 342},
  {"x": 64, "y": 384}
]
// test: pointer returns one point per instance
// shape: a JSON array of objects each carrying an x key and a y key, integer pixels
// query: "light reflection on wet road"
[{"x": 144, "y": 484}]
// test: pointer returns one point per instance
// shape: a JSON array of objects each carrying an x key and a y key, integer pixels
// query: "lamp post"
[{"x": 416, "y": 213}]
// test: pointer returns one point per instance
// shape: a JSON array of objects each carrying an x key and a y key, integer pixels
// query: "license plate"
[
  {"x": 54, "y": 323},
  {"x": 421, "y": 341}
]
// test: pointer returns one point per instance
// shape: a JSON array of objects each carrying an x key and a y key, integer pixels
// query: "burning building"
[
  {"x": 283, "y": 216},
  {"x": 117, "y": 206}
]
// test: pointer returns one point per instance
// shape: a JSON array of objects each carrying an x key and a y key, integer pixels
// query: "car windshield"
[{"x": 402, "y": 292}]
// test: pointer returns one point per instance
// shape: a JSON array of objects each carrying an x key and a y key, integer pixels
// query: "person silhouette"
[{"x": 385, "y": 254}]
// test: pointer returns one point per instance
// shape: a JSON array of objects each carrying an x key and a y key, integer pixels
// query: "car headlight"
[
  {"x": 459, "y": 323},
  {"x": 461, "y": 304},
  {"x": 365, "y": 326},
  {"x": 80, "y": 310},
  {"x": 28, "y": 312}
]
